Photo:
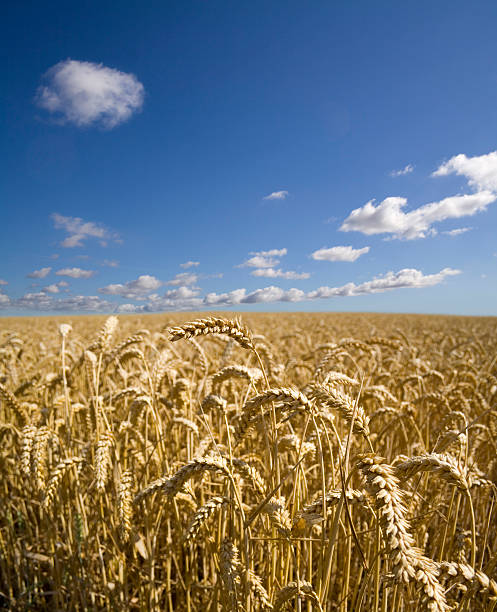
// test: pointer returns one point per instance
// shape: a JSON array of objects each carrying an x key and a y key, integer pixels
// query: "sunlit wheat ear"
[
  {"x": 445, "y": 466},
  {"x": 249, "y": 473},
  {"x": 291, "y": 399},
  {"x": 12, "y": 403},
  {"x": 203, "y": 514},
  {"x": 202, "y": 357},
  {"x": 293, "y": 442},
  {"x": 408, "y": 562},
  {"x": 304, "y": 590},
  {"x": 228, "y": 327},
  {"x": 229, "y": 563},
  {"x": 26, "y": 444},
  {"x": 259, "y": 590},
  {"x": 56, "y": 477},
  {"x": 312, "y": 513},
  {"x": 160, "y": 368},
  {"x": 170, "y": 486},
  {"x": 124, "y": 505},
  {"x": 465, "y": 574},
  {"x": 102, "y": 343},
  {"x": 343, "y": 404},
  {"x": 236, "y": 371},
  {"x": 279, "y": 515},
  {"x": 213, "y": 402},
  {"x": 39, "y": 456},
  {"x": 103, "y": 459}
]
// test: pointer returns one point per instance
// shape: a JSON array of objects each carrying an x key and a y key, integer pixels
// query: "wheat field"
[{"x": 287, "y": 462}]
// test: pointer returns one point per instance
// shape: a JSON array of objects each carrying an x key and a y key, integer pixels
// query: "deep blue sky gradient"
[{"x": 321, "y": 99}]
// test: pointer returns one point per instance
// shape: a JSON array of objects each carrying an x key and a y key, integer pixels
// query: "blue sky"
[{"x": 248, "y": 156}]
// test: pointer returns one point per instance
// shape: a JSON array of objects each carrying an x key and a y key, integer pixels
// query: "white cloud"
[
  {"x": 276, "y": 195},
  {"x": 405, "y": 170},
  {"x": 480, "y": 171},
  {"x": 75, "y": 273},
  {"x": 111, "y": 263},
  {"x": 458, "y": 231},
  {"x": 63, "y": 283},
  {"x": 87, "y": 94},
  {"x": 80, "y": 230},
  {"x": 404, "y": 279},
  {"x": 4, "y": 299},
  {"x": 3, "y": 282},
  {"x": 389, "y": 218},
  {"x": 264, "y": 259},
  {"x": 44, "y": 302},
  {"x": 272, "y": 273},
  {"x": 339, "y": 253},
  {"x": 182, "y": 298},
  {"x": 41, "y": 273},
  {"x": 51, "y": 289},
  {"x": 134, "y": 290},
  {"x": 189, "y": 264},
  {"x": 183, "y": 278}
]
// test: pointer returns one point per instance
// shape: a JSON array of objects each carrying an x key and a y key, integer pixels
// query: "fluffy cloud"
[
  {"x": 272, "y": 273},
  {"x": 189, "y": 264},
  {"x": 3, "y": 282},
  {"x": 80, "y": 230},
  {"x": 41, "y": 273},
  {"x": 4, "y": 300},
  {"x": 405, "y": 170},
  {"x": 404, "y": 279},
  {"x": 480, "y": 171},
  {"x": 276, "y": 195},
  {"x": 182, "y": 298},
  {"x": 339, "y": 253},
  {"x": 75, "y": 303},
  {"x": 389, "y": 218},
  {"x": 51, "y": 289},
  {"x": 87, "y": 94},
  {"x": 184, "y": 278},
  {"x": 111, "y": 263},
  {"x": 134, "y": 290},
  {"x": 264, "y": 259},
  {"x": 75, "y": 273},
  {"x": 458, "y": 231}
]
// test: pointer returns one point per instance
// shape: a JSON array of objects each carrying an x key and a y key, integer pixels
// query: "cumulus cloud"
[
  {"x": 339, "y": 253},
  {"x": 458, "y": 231},
  {"x": 407, "y": 278},
  {"x": 75, "y": 273},
  {"x": 51, "y": 289},
  {"x": 134, "y": 290},
  {"x": 4, "y": 299},
  {"x": 41, "y": 273},
  {"x": 276, "y": 195},
  {"x": 183, "y": 278},
  {"x": 480, "y": 170},
  {"x": 3, "y": 282},
  {"x": 111, "y": 263},
  {"x": 405, "y": 170},
  {"x": 85, "y": 94},
  {"x": 388, "y": 217},
  {"x": 80, "y": 230},
  {"x": 264, "y": 259},
  {"x": 189, "y": 264},
  {"x": 272, "y": 273},
  {"x": 44, "y": 302}
]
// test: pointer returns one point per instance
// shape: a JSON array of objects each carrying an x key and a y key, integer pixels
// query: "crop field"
[{"x": 337, "y": 462}]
